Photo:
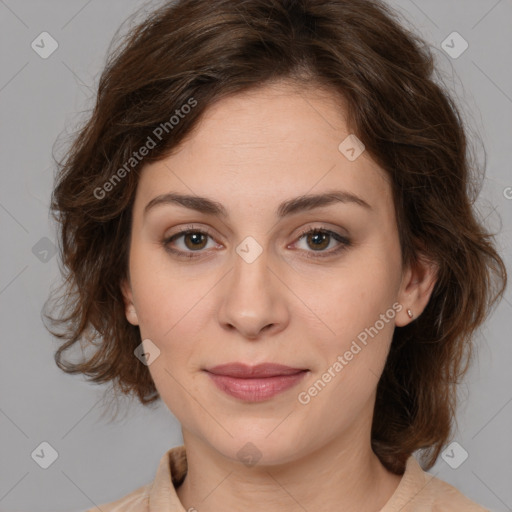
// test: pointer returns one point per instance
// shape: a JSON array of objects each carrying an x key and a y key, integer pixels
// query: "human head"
[{"x": 209, "y": 51}]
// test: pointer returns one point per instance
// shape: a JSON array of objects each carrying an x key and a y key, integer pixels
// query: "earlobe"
[
  {"x": 417, "y": 286},
  {"x": 130, "y": 311},
  {"x": 131, "y": 314}
]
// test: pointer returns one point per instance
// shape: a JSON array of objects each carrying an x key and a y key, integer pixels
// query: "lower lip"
[{"x": 256, "y": 390}]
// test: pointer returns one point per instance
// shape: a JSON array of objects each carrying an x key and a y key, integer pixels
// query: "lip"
[
  {"x": 255, "y": 383},
  {"x": 245, "y": 371}
]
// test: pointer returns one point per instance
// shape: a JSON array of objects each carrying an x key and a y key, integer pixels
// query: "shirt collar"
[{"x": 172, "y": 468}]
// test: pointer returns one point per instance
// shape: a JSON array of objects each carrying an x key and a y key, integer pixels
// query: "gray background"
[{"x": 40, "y": 100}]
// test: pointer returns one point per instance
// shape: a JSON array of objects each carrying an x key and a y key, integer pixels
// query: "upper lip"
[{"x": 244, "y": 371}]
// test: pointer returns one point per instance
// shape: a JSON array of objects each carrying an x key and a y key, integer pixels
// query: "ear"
[
  {"x": 130, "y": 312},
  {"x": 418, "y": 282}
]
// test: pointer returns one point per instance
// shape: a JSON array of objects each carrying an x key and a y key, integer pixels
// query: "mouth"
[{"x": 255, "y": 383}]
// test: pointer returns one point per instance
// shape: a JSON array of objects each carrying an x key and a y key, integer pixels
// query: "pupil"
[
  {"x": 321, "y": 238},
  {"x": 196, "y": 238}
]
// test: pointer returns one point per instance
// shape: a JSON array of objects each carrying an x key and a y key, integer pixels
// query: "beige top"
[{"x": 418, "y": 491}]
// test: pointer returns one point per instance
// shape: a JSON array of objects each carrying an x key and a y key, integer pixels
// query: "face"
[{"x": 251, "y": 286}]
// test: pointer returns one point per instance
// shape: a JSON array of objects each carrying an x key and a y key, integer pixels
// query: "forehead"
[{"x": 276, "y": 141}]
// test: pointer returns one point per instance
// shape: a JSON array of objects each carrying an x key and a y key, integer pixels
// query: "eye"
[
  {"x": 195, "y": 240},
  {"x": 320, "y": 239}
]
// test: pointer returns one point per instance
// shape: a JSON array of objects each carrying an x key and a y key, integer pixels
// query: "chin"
[{"x": 258, "y": 448}]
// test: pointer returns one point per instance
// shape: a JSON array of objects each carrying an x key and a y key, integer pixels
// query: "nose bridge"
[
  {"x": 250, "y": 282},
  {"x": 252, "y": 299},
  {"x": 251, "y": 270}
]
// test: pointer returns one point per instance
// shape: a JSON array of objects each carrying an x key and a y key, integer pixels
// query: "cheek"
[
  {"x": 172, "y": 311},
  {"x": 351, "y": 298},
  {"x": 354, "y": 324},
  {"x": 160, "y": 296}
]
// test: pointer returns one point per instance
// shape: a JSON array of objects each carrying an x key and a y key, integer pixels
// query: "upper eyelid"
[{"x": 208, "y": 231}]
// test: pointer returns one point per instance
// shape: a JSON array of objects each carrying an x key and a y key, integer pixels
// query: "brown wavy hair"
[{"x": 396, "y": 104}]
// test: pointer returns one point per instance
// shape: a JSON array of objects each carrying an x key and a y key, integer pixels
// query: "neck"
[{"x": 343, "y": 474}]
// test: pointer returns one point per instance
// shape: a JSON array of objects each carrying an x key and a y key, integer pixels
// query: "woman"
[{"x": 266, "y": 223}]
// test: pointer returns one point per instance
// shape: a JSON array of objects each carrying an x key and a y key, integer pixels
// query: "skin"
[{"x": 250, "y": 152}]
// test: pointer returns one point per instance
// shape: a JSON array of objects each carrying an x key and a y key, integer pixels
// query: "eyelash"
[{"x": 343, "y": 241}]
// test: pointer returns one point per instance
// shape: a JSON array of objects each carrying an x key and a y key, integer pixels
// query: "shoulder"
[
  {"x": 446, "y": 498},
  {"x": 420, "y": 491},
  {"x": 160, "y": 494},
  {"x": 136, "y": 501}
]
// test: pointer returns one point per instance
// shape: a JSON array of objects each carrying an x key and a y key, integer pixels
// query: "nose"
[{"x": 253, "y": 299}]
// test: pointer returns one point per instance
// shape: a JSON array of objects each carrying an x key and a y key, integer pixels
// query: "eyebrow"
[{"x": 286, "y": 208}]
